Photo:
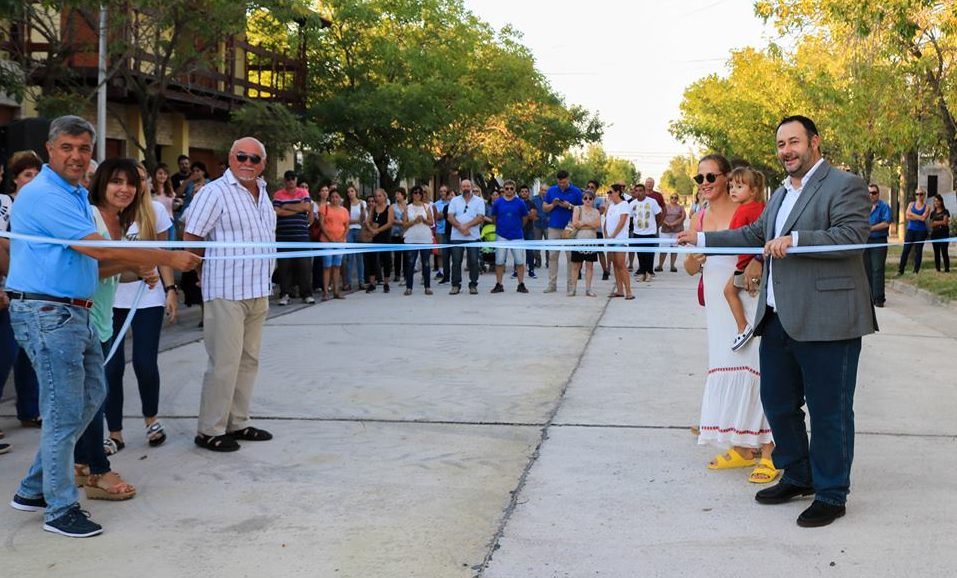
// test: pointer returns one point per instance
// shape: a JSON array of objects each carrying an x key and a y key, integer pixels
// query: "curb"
[{"x": 922, "y": 294}]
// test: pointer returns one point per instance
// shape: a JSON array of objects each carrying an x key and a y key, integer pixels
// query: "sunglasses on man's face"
[
  {"x": 710, "y": 177},
  {"x": 243, "y": 157},
  {"x": 509, "y": 188}
]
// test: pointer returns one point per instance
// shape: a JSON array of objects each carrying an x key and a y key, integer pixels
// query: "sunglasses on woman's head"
[{"x": 710, "y": 177}]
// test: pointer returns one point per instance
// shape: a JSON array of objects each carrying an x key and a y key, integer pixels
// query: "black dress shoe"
[
  {"x": 781, "y": 492},
  {"x": 820, "y": 514}
]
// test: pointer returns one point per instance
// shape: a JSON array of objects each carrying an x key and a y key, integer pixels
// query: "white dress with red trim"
[{"x": 731, "y": 412}]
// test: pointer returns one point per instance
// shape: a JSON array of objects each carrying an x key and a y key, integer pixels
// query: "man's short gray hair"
[{"x": 71, "y": 125}]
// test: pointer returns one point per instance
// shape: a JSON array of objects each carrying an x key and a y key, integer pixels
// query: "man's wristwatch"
[{"x": 172, "y": 288}]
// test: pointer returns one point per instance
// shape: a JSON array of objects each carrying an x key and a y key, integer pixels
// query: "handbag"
[
  {"x": 701, "y": 291},
  {"x": 315, "y": 231}
]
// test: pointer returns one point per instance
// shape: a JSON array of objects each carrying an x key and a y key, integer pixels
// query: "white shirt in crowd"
[
  {"x": 613, "y": 214},
  {"x": 464, "y": 212},
  {"x": 126, "y": 292},
  {"x": 644, "y": 212},
  {"x": 225, "y": 211},
  {"x": 355, "y": 213},
  {"x": 418, "y": 233}
]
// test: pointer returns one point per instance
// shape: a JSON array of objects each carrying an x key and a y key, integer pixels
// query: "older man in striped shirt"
[{"x": 233, "y": 208}]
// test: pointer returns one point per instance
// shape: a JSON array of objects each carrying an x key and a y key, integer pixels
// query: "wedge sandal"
[{"x": 109, "y": 486}]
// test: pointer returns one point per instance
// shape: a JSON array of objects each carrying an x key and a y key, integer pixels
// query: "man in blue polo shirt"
[
  {"x": 509, "y": 214},
  {"x": 874, "y": 259},
  {"x": 559, "y": 202},
  {"x": 50, "y": 289}
]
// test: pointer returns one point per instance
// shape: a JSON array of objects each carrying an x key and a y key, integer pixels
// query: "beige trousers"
[
  {"x": 553, "y": 263},
  {"x": 232, "y": 333}
]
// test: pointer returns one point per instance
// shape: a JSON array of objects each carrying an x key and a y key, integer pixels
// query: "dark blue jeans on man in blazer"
[{"x": 823, "y": 374}]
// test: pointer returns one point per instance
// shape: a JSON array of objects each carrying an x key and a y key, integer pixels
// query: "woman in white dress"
[{"x": 732, "y": 417}]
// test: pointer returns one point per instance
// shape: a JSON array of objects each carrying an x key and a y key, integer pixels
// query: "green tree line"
[
  {"x": 394, "y": 88},
  {"x": 877, "y": 77}
]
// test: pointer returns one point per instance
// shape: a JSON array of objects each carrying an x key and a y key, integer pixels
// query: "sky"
[{"x": 630, "y": 61}]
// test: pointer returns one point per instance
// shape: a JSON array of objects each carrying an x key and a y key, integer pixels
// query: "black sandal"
[
  {"x": 222, "y": 443},
  {"x": 250, "y": 434},
  {"x": 155, "y": 434}
]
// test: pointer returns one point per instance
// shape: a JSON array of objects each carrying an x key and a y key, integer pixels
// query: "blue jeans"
[
  {"x": 146, "y": 328},
  {"x": 472, "y": 255},
  {"x": 874, "y": 261},
  {"x": 917, "y": 238},
  {"x": 823, "y": 374},
  {"x": 89, "y": 449},
  {"x": 68, "y": 359},
  {"x": 354, "y": 260},
  {"x": 410, "y": 259},
  {"x": 24, "y": 379}
]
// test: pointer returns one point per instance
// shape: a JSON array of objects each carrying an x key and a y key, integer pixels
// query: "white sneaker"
[
  {"x": 309, "y": 300},
  {"x": 284, "y": 300},
  {"x": 742, "y": 338}
]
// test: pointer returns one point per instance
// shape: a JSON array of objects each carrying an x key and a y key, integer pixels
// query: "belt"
[{"x": 84, "y": 303}]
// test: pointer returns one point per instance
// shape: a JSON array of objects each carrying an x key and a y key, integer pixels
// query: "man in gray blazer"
[{"x": 813, "y": 310}]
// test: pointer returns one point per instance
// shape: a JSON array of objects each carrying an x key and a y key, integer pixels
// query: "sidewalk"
[{"x": 505, "y": 436}]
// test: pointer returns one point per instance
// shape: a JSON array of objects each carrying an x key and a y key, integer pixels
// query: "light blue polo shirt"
[{"x": 51, "y": 207}]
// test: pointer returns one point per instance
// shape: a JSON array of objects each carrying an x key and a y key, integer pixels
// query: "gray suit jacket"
[{"x": 818, "y": 296}]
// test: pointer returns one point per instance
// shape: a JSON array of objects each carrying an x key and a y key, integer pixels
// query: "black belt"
[{"x": 84, "y": 303}]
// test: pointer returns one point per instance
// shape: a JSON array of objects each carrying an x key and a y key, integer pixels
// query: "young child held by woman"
[{"x": 747, "y": 189}]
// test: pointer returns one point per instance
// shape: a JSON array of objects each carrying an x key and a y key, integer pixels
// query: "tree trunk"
[
  {"x": 386, "y": 180},
  {"x": 868, "y": 166},
  {"x": 908, "y": 185}
]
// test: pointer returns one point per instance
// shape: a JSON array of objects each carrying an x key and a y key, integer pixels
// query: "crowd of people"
[{"x": 64, "y": 304}]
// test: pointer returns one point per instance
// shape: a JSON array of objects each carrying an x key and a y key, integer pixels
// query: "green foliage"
[
  {"x": 880, "y": 73},
  {"x": 60, "y": 102},
  {"x": 677, "y": 178},
  {"x": 594, "y": 163},
  {"x": 422, "y": 84}
]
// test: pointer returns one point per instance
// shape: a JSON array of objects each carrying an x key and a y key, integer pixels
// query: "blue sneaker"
[
  {"x": 75, "y": 523},
  {"x": 28, "y": 504},
  {"x": 532, "y": 275},
  {"x": 514, "y": 274}
]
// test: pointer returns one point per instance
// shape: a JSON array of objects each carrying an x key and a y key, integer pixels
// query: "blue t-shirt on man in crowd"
[
  {"x": 880, "y": 213},
  {"x": 559, "y": 217},
  {"x": 509, "y": 218}
]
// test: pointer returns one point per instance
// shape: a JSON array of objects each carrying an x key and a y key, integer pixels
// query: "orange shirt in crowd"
[{"x": 335, "y": 222}]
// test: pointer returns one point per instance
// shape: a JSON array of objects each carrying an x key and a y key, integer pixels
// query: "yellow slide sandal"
[
  {"x": 730, "y": 460},
  {"x": 764, "y": 472}
]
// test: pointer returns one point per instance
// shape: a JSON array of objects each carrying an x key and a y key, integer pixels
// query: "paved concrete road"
[{"x": 504, "y": 436}]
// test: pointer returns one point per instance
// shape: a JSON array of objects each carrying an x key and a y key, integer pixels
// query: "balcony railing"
[{"x": 236, "y": 72}]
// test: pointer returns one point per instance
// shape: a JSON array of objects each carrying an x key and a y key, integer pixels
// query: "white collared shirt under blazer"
[{"x": 224, "y": 210}]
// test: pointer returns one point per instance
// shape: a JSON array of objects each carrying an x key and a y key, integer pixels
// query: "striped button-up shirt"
[{"x": 224, "y": 210}]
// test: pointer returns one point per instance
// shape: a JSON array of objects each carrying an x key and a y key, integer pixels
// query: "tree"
[
  {"x": 737, "y": 115},
  {"x": 902, "y": 61},
  {"x": 677, "y": 178},
  {"x": 594, "y": 163},
  {"x": 277, "y": 127},
  {"x": 419, "y": 85}
]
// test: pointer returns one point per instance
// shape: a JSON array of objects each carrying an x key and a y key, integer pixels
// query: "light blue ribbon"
[{"x": 121, "y": 335}]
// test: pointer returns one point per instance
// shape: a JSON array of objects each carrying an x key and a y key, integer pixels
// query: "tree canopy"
[
  {"x": 419, "y": 85},
  {"x": 877, "y": 77}
]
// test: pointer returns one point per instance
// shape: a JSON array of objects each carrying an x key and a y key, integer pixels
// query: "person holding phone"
[{"x": 559, "y": 202}]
